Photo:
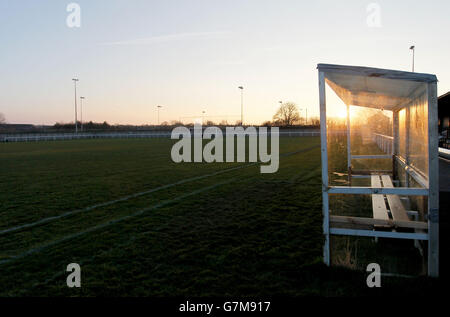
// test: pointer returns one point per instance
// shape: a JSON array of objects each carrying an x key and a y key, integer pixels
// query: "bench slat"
[
  {"x": 396, "y": 206},
  {"x": 378, "y": 204}
]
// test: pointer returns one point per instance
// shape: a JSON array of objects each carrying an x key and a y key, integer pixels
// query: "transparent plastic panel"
[
  {"x": 395, "y": 256},
  {"x": 336, "y": 139},
  {"x": 351, "y": 205},
  {"x": 401, "y": 174},
  {"x": 371, "y": 134},
  {"x": 418, "y": 134}
]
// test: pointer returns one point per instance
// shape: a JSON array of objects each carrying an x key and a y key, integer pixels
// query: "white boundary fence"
[
  {"x": 117, "y": 135},
  {"x": 384, "y": 142},
  {"x": 76, "y": 136}
]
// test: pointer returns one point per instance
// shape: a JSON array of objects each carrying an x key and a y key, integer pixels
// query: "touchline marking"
[
  {"x": 111, "y": 202},
  {"x": 125, "y": 198},
  {"x": 111, "y": 222}
]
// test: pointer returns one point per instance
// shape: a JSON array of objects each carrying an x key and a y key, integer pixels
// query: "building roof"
[{"x": 444, "y": 95}]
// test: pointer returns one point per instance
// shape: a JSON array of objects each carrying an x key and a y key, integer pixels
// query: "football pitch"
[{"x": 141, "y": 225}]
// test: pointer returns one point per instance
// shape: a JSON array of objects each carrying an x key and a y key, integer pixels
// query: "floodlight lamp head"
[
  {"x": 240, "y": 87},
  {"x": 412, "y": 47}
]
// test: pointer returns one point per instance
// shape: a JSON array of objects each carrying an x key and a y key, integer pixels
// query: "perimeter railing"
[
  {"x": 384, "y": 142},
  {"x": 116, "y": 135}
]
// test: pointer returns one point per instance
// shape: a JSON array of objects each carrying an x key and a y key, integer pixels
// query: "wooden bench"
[
  {"x": 380, "y": 210},
  {"x": 388, "y": 213}
]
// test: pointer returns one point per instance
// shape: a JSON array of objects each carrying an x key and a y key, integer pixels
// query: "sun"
[{"x": 342, "y": 113}]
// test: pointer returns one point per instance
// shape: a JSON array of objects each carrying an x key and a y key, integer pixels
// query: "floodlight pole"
[
  {"x": 203, "y": 117},
  {"x": 81, "y": 110},
  {"x": 75, "y": 85},
  {"x": 159, "y": 107},
  {"x": 242, "y": 105},
  {"x": 413, "y": 52}
]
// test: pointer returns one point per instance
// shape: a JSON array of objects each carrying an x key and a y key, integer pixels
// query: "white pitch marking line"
[
  {"x": 111, "y": 222},
  {"x": 108, "y": 203}
]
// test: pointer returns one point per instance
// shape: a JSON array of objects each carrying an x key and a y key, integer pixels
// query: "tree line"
[{"x": 287, "y": 115}]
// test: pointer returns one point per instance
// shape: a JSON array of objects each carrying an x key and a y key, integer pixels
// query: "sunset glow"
[{"x": 131, "y": 58}]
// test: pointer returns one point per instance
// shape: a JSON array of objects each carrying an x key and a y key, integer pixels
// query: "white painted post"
[
  {"x": 395, "y": 143},
  {"x": 433, "y": 181},
  {"x": 349, "y": 151},
  {"x": 324, "y": 156},
  {"x": 407, "y": 134}
]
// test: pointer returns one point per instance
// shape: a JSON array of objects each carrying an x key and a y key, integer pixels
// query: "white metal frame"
[
  {"x": 390, "y": 146},
  {"x": 324, "y": 156},
  {"x": 379, "y": 234}
]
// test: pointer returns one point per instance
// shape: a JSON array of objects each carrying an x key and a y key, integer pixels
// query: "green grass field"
[{"x": 141, "y": 225}]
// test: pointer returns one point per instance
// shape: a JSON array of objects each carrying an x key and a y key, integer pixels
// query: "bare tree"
[
  {"x": 314, "y": 121},
  {"x": 176, "y": 123},
  {"x": 287, "y": 114},
  {"x": 2, "y": 118}
]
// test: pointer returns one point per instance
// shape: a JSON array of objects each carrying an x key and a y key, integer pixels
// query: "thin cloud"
[{"x": 170, "y": 38}]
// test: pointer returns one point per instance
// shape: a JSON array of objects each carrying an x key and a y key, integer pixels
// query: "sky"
[{"x": 190, "y": 56}]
